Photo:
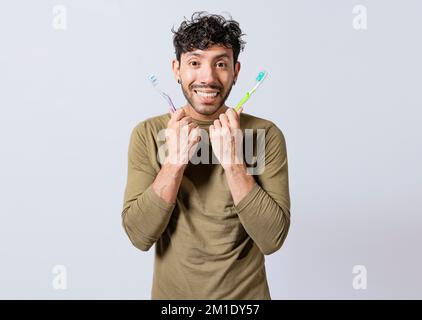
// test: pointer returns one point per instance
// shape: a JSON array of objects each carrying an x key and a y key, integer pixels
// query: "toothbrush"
[
  {"x": 154, "y": 81},
  {"x": 261, "y": 76}
]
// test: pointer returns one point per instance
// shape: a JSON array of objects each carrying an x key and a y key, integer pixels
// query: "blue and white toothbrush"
[{"x": 154, "y": 81}]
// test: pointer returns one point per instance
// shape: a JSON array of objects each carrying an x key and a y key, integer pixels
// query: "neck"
[{"x": 190, "y": 111}]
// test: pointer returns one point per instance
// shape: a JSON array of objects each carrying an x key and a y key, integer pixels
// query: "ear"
[
  {"x": 236, "y": 70},
  {"x": 176, "y": 68}
]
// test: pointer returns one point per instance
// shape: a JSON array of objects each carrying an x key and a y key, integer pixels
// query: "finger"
[
  {"x": 194, "y": 137},
  {"x": 185, "y": 121},
  {"x": 233, "y": 118},
  {"x": 195, "y": 134},
  {"x": 185, "y": 133},
  {"x": 178, "y": 114},
  {"x": 193, "y": 145},
  {"x": 192, "y": 126},
  {"x": 224, "y": 120},
  {"x": 225, "y": 125},
  {"x": 239, "y": 111},
  {"x": 217, "y": 124}
]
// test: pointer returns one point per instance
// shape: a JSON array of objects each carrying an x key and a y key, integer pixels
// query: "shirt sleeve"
[
  {"x": 265, "y": 211},
  {"x": 145, "y": 215}
]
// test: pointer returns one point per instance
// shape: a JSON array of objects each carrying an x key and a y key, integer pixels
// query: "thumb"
[{"x": 178, "y": 114}]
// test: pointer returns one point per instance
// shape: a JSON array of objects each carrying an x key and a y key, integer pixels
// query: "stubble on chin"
[{"x": 206, "y": 110}]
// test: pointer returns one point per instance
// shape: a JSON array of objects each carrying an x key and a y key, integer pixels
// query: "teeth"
[{"x": 207, "y": 95}]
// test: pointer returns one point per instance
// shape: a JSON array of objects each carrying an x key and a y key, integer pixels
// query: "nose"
[{"x": 206, "y": 74}]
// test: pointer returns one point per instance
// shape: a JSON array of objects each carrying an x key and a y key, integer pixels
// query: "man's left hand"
[{"x": 226, "y": 138}]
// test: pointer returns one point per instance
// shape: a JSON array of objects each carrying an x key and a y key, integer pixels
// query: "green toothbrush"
[{"x": 261, "y": 76}]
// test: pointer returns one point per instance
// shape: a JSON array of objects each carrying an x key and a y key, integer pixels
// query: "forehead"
[{"x": 212, "y": 52}]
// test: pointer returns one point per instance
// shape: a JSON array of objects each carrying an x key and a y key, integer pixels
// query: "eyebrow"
[{"x": 197, "y": 54}]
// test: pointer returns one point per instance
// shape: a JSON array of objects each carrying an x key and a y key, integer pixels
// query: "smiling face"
[{"x": 207, "y": 78}]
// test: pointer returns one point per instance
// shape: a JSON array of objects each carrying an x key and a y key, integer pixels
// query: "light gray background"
[{"x": 347, "y": 101}]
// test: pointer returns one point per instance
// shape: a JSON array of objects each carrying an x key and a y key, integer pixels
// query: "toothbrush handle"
[
  {"x": 172, "y": 107},
  {"x": 242, "y": 102}
]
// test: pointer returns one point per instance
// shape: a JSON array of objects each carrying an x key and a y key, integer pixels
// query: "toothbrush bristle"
[
  {"x": 153, "y": 79},
  {"x": 260, "y": 76}
]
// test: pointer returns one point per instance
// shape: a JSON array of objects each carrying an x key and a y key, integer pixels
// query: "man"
[{"x": 212, "y": 223}]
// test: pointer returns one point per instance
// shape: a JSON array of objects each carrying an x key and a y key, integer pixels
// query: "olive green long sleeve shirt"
[{"x": 205, "y": 246}]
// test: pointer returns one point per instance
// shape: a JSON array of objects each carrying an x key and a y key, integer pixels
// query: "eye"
[
  {"x": 222, "y": 64},
  {"x": 194, "y": 63}
]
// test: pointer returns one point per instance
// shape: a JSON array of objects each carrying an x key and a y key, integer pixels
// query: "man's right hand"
[{"x": 182, "y": 138}]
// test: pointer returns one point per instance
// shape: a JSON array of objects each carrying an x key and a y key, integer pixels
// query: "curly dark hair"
[{"x": 204, "y": 30}]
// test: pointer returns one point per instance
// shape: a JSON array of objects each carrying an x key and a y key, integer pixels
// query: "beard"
[{"x": 206, "y": 109}]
